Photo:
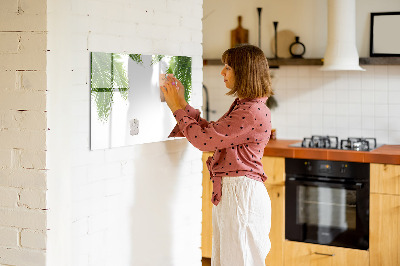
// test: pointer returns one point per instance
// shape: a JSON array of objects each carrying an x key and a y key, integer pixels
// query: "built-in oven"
[{"x": 327, "y": 202}]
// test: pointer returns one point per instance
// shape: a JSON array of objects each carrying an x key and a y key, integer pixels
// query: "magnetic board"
[{"x": 127, "y": 105}]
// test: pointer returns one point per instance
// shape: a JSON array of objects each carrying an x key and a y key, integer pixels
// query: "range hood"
[{"x": 341, "y": 51}]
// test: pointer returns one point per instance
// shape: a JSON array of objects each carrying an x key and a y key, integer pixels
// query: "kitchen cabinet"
[
  {"x": 385, "y": 215},
  {"x": 206, "y": 225},
  {"x": 385, "y": 178},
  {"x": 384, "y": 247},
  {"x": 274, "y": 168},
  {"x": 277, "y": 233},
  {"x": 384, "y": 221},
  {"x": 305, "y": 254},
  {"x": 385, "y": 230}
]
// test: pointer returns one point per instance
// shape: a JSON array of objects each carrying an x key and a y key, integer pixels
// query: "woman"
[{"x": 242, "y": 208}]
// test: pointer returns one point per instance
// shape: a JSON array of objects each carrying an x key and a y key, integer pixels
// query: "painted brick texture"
[
  {"x": 92, "y": 199},
  {"x": 23, "y": 132}
]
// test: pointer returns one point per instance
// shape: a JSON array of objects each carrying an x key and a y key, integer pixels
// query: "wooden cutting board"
[{"x": 239, "y": 35}]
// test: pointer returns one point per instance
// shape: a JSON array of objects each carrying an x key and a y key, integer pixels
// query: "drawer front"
[
  {"x": 297, "y": 253},
  {"x": 385, "y": 178}
]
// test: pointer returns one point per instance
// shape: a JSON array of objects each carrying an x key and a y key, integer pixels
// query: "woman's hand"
[
  {"x": 181, "y": 91},
  {"x": 174, "y": 94}
]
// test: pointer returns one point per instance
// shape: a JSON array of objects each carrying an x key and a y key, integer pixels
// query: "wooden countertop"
[{"x": 389, "y": 154}]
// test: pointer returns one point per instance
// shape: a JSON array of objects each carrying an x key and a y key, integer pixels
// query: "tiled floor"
[{"x": 206, "y": 261}]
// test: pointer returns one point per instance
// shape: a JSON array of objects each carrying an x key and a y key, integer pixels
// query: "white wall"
[
  {"x": 306, "y": 19},
  {"x": 23, "y": 133},
  {"x": 311, "y": 102},
  {"x": 343, "y": 104},
  {"x": 137, "y": 205}
]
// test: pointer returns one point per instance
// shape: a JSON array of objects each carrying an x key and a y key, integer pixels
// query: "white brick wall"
[
  {"x": 33, "y": 239},
  {"x": 99, "y": 204},
  {"x": 8, "y": 197},
  {"x": 9, "y": 237},
  {"x": 11, "y": 256},
  {"x": 23, "y": 132},
  {"x": 138, "y": 205}
]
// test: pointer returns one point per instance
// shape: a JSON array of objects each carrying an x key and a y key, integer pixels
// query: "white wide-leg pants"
[{"x": 241, "y": 223}]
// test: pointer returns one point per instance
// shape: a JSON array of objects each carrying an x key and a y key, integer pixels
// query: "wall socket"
[{"x": 134, "y": 125}]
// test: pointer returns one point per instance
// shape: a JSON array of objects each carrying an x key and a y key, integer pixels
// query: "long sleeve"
[
  {"x": 193, "y": 113},
  {"x": 231, "y": 130}
]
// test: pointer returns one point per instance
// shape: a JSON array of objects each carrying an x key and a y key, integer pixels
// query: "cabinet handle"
[{"x": 324, "y": 254}]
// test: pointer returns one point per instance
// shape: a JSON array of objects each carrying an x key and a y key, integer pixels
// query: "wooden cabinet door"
[
  {"x": 274, "y": 168},
  {"x": 277, "y": 233},
  {"x": 206, "y": 226},
  {"x": 385, "y": 178},
  {"x": 384, "y": 237},
  {"x": 304, "y": 254}
]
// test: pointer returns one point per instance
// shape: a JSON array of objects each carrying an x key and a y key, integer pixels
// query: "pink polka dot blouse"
[{"x": 238, "y": 139}]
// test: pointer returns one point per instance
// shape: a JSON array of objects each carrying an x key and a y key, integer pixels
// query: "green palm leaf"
[
  {"x": 181, "y": 67},
  {"x": 108, "y": 73}
]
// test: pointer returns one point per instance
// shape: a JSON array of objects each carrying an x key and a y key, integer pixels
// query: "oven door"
[{"x": 327, "y": 213}]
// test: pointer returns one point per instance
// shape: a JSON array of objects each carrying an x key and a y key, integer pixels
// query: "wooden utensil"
[{"x": 239, "y": 35}]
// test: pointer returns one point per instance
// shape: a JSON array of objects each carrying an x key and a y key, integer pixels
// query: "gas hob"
[{"x": 332, "y": 142}]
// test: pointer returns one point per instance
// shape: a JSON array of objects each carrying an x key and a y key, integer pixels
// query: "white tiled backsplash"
[{"x": 339, "y": 103}]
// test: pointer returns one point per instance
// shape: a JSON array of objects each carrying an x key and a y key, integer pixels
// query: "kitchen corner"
[
  {"x": 342, "y": 204},
  {"x": 378, "y": 199}
]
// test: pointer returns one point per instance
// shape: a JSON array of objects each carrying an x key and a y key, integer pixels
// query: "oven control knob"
[
  {"x": 343, "y": 168},
  {"x": 308, "y": 166}
]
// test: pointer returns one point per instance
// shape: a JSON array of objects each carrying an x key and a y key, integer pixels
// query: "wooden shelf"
[
  {"x": 274, "y": 63},
  {"x": 212, "y": 62},
  {"x": 380, "y": 61}
]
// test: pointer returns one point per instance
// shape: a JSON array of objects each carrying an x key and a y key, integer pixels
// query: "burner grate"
[
  {"x": 327, "y": 142},
  {"x": 358, "y": 144}
]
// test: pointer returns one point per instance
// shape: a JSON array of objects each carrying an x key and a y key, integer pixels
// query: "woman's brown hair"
[{"x": 250, "y": 66}]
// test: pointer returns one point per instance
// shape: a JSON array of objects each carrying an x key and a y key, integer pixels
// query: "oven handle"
[{"x": 357, "y": 185}]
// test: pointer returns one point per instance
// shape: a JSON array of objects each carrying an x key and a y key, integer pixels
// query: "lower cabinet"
[
  {"x": 384, "y": 223},
  {"x": 304, "y": 254},
  {"x": 385, "y": 230},
  {"x": 277, "y": 233},
  {"x": 274, "y": 168},
  {"x": 206, "y": 225}
]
